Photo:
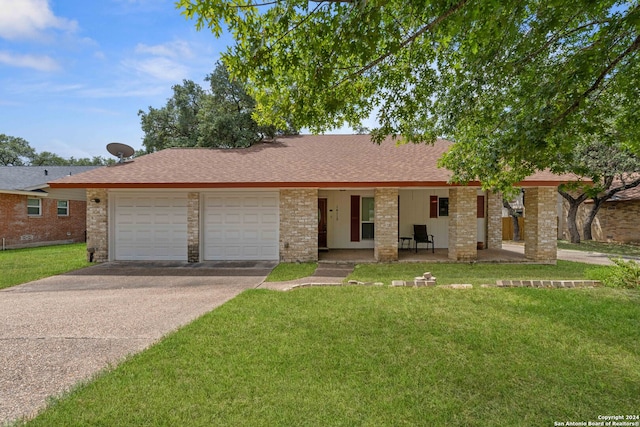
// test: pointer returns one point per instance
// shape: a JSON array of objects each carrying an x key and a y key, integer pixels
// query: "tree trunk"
[
  {"x": 516, "y": 228},
  {"x": 586, "y": 228},
  {"x": 514, "y": 218},
  {"x": 574, "y": 204},
  {"x": 571, "y": 221}
]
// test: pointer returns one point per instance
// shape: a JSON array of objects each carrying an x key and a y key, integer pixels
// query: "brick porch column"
[
  {"x": 193, "y": 227},
  {"x": 494, "y": 220},
  {"x": 463, "y": 223},
  {"x": 299, "y": 225},
  {"x": 386, "y": 224},
  {"x": 540, "y": 243},
  {"x": 97, "y": 224}
]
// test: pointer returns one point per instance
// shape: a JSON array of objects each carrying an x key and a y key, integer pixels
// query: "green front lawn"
[
  {"x": 380, "y": 356},
  {"x": 475, "y": 274},
  {"x": 24, "y": 265}
]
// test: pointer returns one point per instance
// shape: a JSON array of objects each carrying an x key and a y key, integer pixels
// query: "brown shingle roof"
[{"x": 299, "y": 161}]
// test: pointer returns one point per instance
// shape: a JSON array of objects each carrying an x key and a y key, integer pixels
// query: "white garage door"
[
  {"x": 151, "y": 226},
  {"x": 241, "y": 226}
]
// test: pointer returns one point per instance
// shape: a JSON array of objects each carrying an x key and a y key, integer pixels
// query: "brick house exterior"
[
  {"x": 616, "y": 221},
  {"x": 271, "y": 200},
  {"x": 32, "y": 214}
]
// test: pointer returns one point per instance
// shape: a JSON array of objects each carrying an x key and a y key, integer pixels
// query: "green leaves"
[
  {"x": 512, "y": 84},
  {"x": 196, "y": 117},
  {"x": 14, "y": 151}
]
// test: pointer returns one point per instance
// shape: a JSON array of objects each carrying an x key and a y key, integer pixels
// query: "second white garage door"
[{"x": 241, "y": 226}]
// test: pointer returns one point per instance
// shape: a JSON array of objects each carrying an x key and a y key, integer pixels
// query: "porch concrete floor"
[{"x": 423, "y": 255}]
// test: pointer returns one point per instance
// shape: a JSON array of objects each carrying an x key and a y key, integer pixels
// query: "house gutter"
[
  {"x": 326, "y": 185},
  {"x": 25, "y": 193}
]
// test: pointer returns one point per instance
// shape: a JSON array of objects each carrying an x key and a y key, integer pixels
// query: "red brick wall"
[{"x": 19, "y": 229}]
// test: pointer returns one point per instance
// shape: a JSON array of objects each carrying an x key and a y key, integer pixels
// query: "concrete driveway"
[{"x": 61, "y": 330}]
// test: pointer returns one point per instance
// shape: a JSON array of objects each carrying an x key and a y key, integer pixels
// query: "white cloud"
[
  {"x": 29, "y": 18},
  {"x": 161, "y": 62},
  {"x": 159, "y": 68},
  {"x": 36, "y": 62},
  {"x": 175, "y": 49},
  {"x": 123, "y": 91}
]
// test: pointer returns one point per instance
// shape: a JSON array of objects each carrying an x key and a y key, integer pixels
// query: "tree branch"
[
  {"x": 576, "y": 103},
  {"x": 297, "y": 25},
  {"x": 406, "y": 42},
  {"x": 559, "y": 36},
  {"x": 246, "y": 6},
  {"x": 581, "y": 197},
  {"x": 614, "y": 191}
]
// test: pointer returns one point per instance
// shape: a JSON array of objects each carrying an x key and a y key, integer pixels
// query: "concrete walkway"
[
  {"x": 62, "y": 330},
  {"x": 570, "y": 255},
  {"x": 327, "y": 273}
]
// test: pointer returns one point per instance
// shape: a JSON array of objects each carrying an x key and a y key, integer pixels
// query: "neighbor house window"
[
  {"x": 63, "y": 208},
  {"x": 367, "y": 218},
  {"x": 34, "y": 207},
  {"x": 443, "y": 206}
]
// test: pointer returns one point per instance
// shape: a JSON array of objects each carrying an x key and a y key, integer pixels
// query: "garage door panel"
[
  {"x": 269, "y": 235},
  {"x": 232, "y": 235},
  {"x": 214, "y": 234},
  {"x": 214, "y": 217},
  {"x": 242, "y": 226},
  {"x": 235, "y": 218},
  {"x": 252, "y": 202},
  {"x": 249, "y": 235},
  {"x": 251, "y": 218},
  {"x": 251, "y": 251},
  {"x": 233, "y": 202},
  {"x": 151, "y": 227}
]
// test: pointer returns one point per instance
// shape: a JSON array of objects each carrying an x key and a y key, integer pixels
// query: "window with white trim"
[
  {"x": 443, "y": 206},
  {"x": 367, "y": 218},
  {"x": 63, "y": 208},
  {"x": 34, "y": 207}
]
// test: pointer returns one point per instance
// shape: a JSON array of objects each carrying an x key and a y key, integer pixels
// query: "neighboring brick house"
[
  {"x": 287, "y": 199},
  {"x": 618, "y": 220},
  {"x": 32, "y": 214}
]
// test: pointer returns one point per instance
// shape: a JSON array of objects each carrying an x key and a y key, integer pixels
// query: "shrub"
[{"x": 623, "y": 274}]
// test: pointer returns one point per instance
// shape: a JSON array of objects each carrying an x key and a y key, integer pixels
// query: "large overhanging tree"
[
  {"x": 601, "y": 153},
  {"x": 504, "y": 80}
]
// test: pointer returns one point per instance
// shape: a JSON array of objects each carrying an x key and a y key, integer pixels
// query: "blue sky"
[{"x": 74, "y": 73}]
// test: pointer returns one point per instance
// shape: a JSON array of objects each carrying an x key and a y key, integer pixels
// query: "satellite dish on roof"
[{"x": 121, "y": 151}]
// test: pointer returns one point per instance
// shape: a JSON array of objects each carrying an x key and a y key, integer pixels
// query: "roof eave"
[
  {"x": 160, "y": 185},
  {"x": 291, "y": 184},
  {"x": 25, "y": 193}
]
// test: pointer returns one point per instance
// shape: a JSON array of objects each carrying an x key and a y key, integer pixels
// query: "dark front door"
[{"x": 322, "y": 223}]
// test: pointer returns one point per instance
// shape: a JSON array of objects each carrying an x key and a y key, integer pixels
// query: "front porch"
[
  {"x": 423, "y": 255},
  {"x": 371, "y": 225}
]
